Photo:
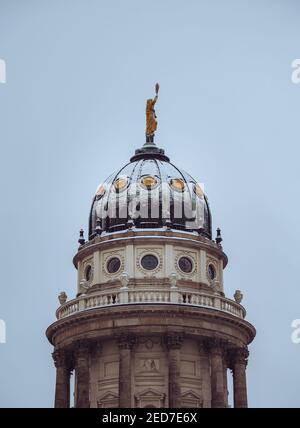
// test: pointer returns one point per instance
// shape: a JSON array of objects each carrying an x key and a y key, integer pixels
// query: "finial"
[
  {"x": 130, "y": 223},
  {"x": 124, "y": 278},
  {"x": 151, "y": 122},
  {"x": 98, "y": 229},
  {"x": 200, "y": 230},
  {"x": 81, "y": 239},
  {"x": 168, "y": 224},
  {"x": 173, "y": 280},
  {"x": 219, "y": 238},
  {"x": 62, "y": 297},
  {"x": 238, "y": 296}
]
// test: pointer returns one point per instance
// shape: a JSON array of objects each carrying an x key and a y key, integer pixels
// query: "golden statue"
[{"x": 151, "y": 122}]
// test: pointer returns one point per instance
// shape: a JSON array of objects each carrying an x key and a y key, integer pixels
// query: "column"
[
  {"x": 216, "y": 348},
  {"x": 82, "y": 370},
  {"x": 239, "y": 363},
  {"x": 125, "y": 342},
  {"x": 174, "y": 342},
  {"x": 62, "y": 387},
  {"x": 225, "y": 367},
  {"x": 96, "y": 348},
  {"x": 205, "y": 373}
]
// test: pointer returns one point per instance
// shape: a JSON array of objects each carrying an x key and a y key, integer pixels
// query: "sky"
[{"x": 72, "y": 111}]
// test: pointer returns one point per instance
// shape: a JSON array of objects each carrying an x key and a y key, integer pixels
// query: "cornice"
[
  {"x": 149, "y": 310},
  {"x": 149, "y": 237}
]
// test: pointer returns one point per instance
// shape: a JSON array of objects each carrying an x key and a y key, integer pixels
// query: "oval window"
[
  {"x": 177, "y": 184},
  {"x": 198, "y": 190},
  {"x": 120, "y": 184},
  {"x": 148, "y": 182},
  {"x": 100, "y": 191}
]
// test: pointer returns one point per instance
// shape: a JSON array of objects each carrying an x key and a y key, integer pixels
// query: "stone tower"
[{"x": 150, "y": 325}]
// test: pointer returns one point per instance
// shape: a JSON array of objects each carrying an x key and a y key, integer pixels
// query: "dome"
[{"x": 150, "y": 192}]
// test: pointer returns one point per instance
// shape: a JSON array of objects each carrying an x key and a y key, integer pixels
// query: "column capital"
[
  {"x": 82, "y": 346},
  {"x": 239, "y": 356},
  {"x": 126, "y": 340},
  {"x": 96, "y": 347},
  {"x": 173, "y": 340},
  {"x": 213, "y": 345},
  {"x": 61, "y": 358},
  {"x": 238, "y": 364}
]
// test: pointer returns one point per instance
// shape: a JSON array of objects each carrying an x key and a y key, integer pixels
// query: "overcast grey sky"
[{"x": 72, "y": 111}]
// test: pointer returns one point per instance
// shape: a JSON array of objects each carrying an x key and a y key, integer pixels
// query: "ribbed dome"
[{"x": 150, "y": 192}]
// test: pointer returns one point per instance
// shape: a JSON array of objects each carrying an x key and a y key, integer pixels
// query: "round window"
[
  {"x": 113, "y": 265},
  {"x": 211, "y": 272},
  {"x": 198, "y": 190},
  {"x": 149, "y": 182},
  {"x": 177, "y": 184},
  {"x": 149, "y": 262},
  {"x": 120, "y": 184},
  {"x": 88, "y": 273},
  {"x": 185, "y": 264},
  {"x": 100, "y": 191}
]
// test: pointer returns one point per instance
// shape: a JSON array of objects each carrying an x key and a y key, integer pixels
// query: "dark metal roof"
[{"x": 136, "y": 205}]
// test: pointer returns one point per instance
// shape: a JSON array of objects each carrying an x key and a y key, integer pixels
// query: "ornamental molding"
[
  {"x": 85, "y": 264},
  {"x": 214, "y": 346},
  {"x": 109, "y": 399},
  {"x": 120, "y": 254},
  {"x": 149, "y": 341},
  {"x": 173, "y": 340},
  {"x": 215, "y": 264},
  {"x": 141, "y": 252},
  {"x": 126, "y": 340},
  {"x": 190, "y": 255},
  {"x": 149, "y": 237},
  {"x": 62, "y": 358},
  {"x": 150, "y": 397},
  {"x": 238, "y": 356},
  {"x": 191, "y": 399},
  {"x": 60, "y": 331}
]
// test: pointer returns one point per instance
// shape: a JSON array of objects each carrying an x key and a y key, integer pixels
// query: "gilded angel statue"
[{"x": 151, "y": 122}]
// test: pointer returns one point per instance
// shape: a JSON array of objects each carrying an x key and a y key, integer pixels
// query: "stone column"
[
  {"x": 125, "y": 342},
  {"x": 216, "y": 348},
  {"x": 63, "y": 372},
  {"x": 225, "y": 368},
  {"x": 239, "y": 363},
  {"x": 174, "y": 342},
  {"x": 82, "y": 370},
  {"x": 96, "y": 348},
  {"x": 205, "y": 373}
]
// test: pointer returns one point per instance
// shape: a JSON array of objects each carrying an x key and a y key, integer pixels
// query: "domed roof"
[{"x": 150, "y": 192}]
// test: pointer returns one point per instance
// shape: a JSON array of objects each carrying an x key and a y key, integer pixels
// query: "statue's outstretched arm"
[{"x": 154, "y": 100}]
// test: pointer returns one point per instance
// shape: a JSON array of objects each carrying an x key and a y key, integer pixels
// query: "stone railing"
[
  {"x": 127, "y": 296},
  {"x": 148, "y": 296},
  {"x": 67, "y": 309}
]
